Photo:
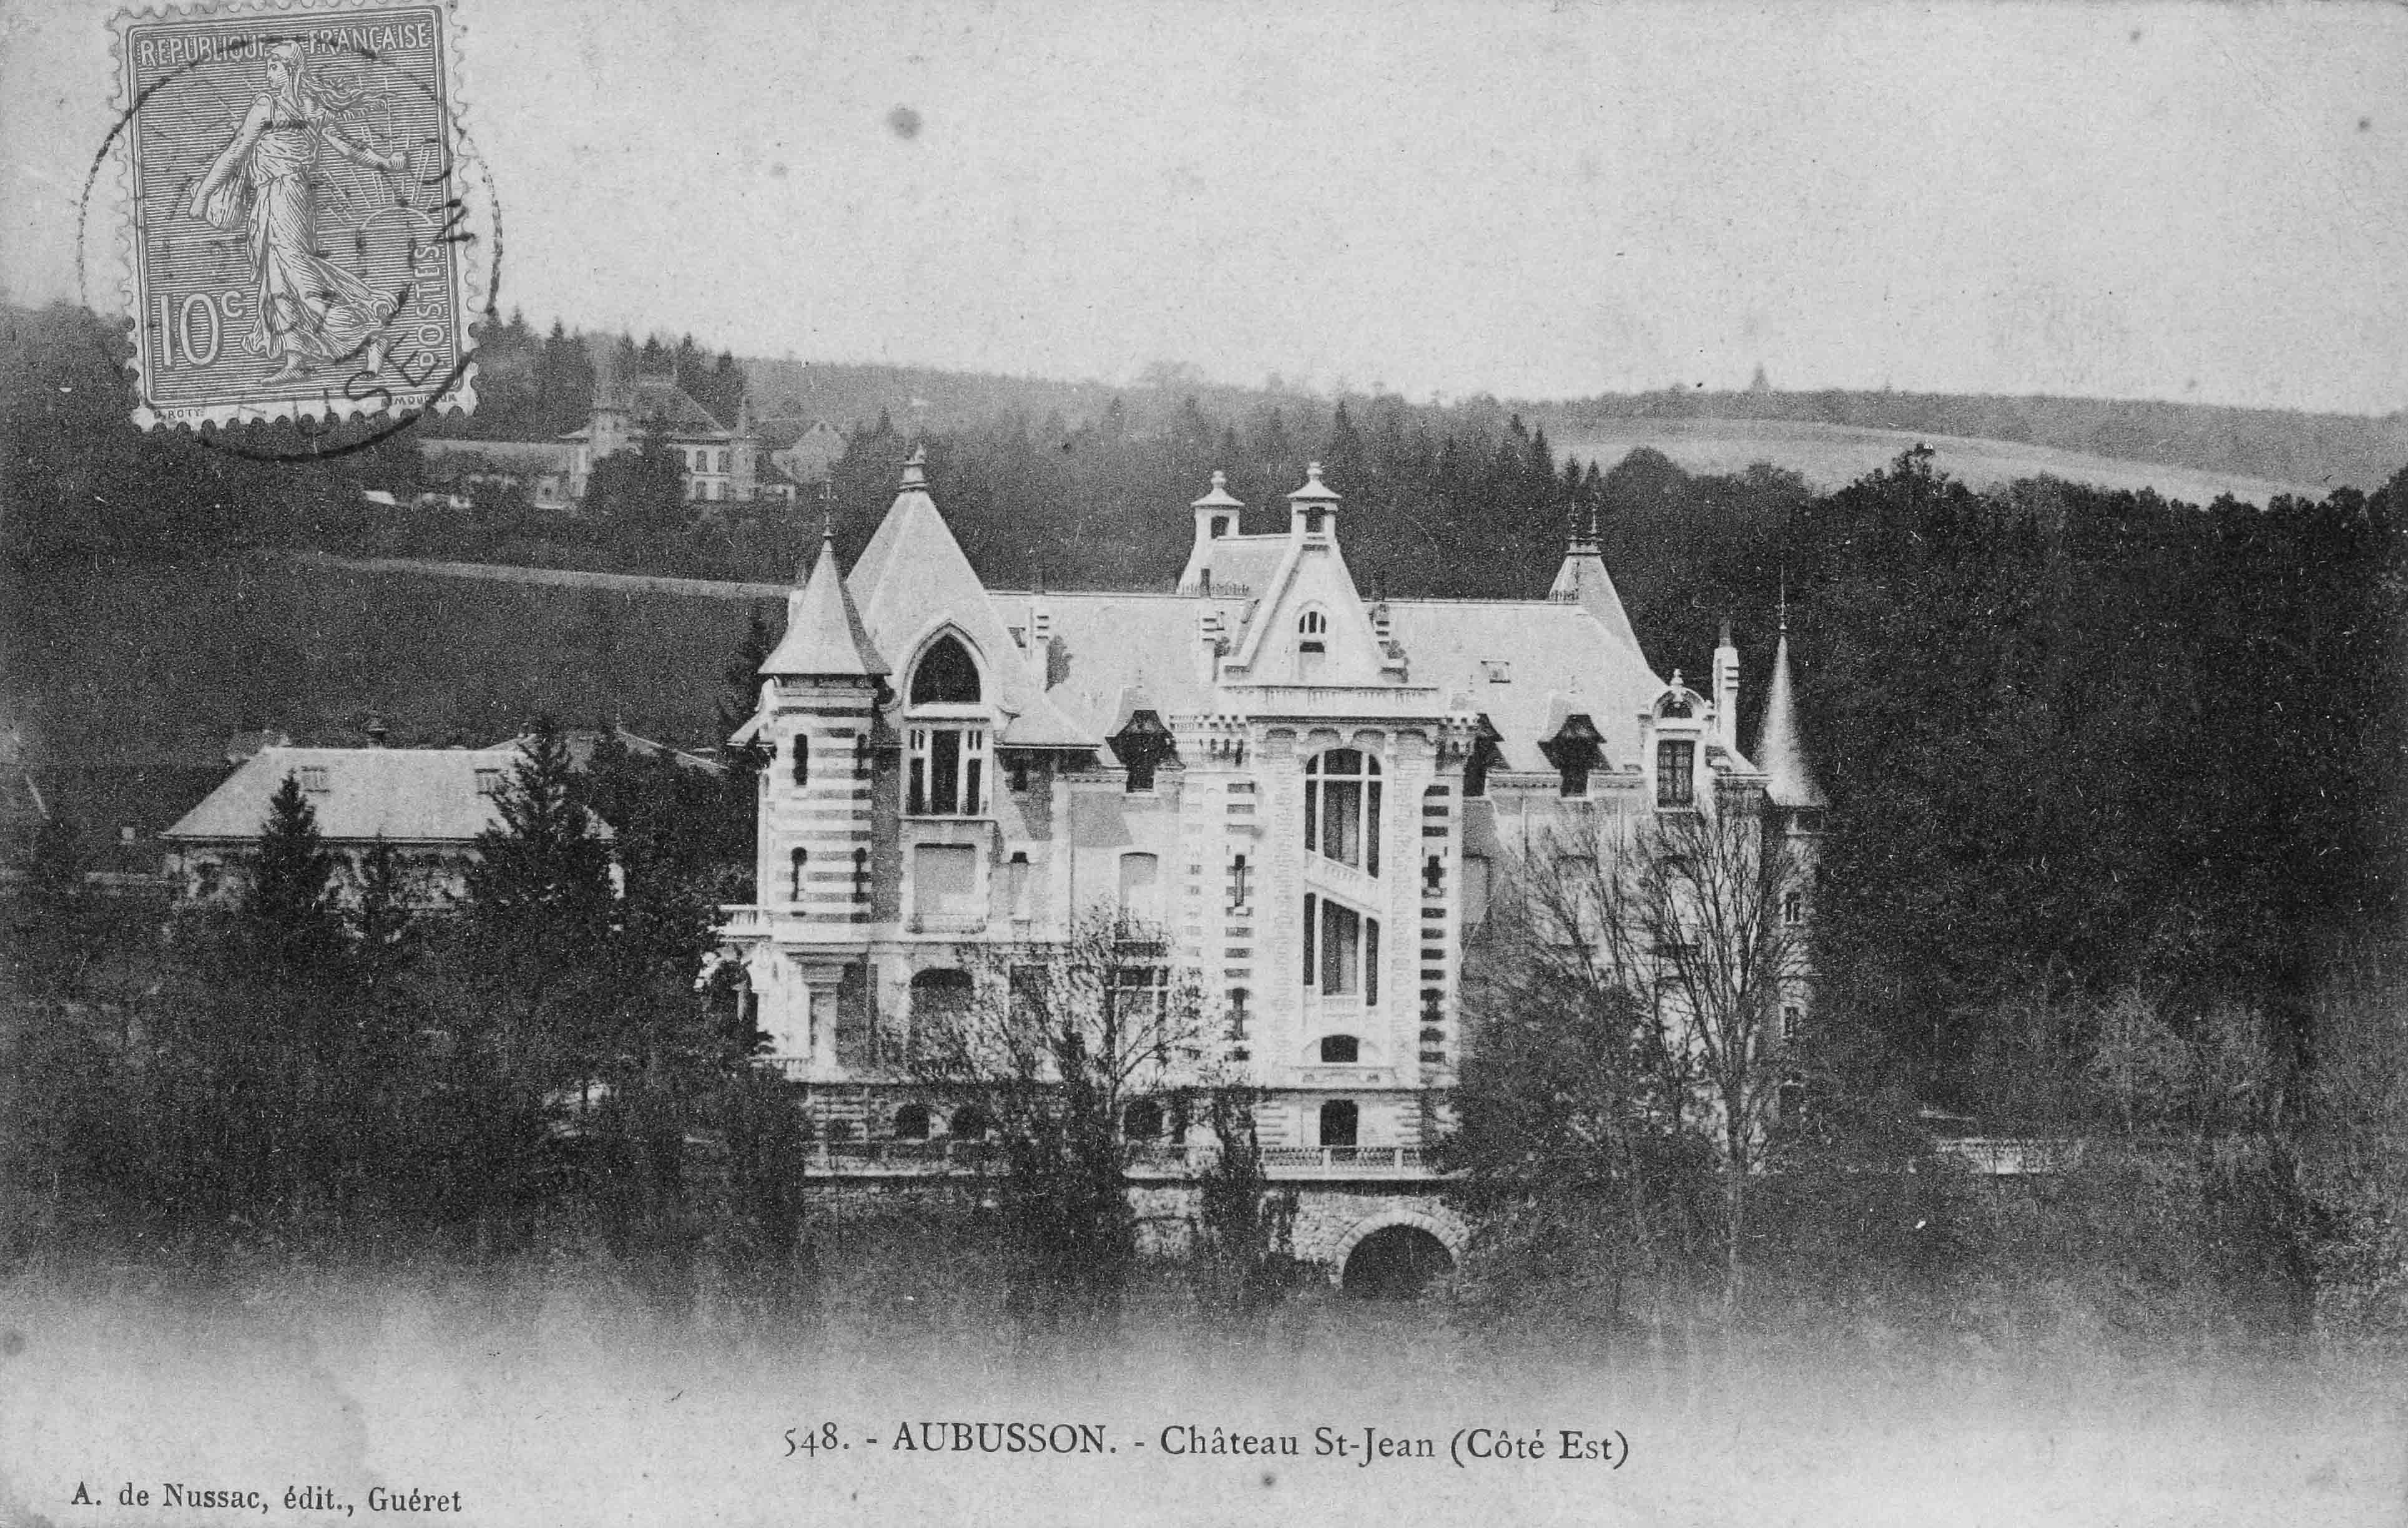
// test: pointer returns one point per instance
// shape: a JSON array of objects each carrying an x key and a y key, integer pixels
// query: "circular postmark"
[{"x": 307, "y": 229}]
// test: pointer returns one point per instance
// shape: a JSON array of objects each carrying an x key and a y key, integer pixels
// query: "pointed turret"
[
  {"x": 1779, "y": 752},
  {"x": 825, "y": 637},
  {"x": 1582, "y": 580},
  {"x": 1217, "y": 517}
]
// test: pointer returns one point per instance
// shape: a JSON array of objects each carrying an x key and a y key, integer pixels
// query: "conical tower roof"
[
  {"x": 1779, "y": 751},
  {"x": 1582, "y": 580},
  {"x": 825, "y": 637}
]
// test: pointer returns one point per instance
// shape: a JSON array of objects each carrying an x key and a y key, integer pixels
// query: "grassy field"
[
  {"x": 1830, "y": 456},
  {"x": 164, "y": 661}
]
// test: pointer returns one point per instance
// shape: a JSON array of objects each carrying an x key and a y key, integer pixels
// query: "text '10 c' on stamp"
[{"x": 309, "y": 236}]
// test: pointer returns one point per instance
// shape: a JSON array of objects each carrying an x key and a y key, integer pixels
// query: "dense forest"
[{"x": 2096, "y": 758}]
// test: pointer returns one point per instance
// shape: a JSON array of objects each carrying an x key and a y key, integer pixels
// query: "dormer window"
[
  {"x": 1575, "y": 750},
  {"x": 1341, "y": 808},
  {"x": 1143, "y": 746},
  {"x": 489, "y": 782},
  {"x": 1676, "y": 772},
  {"x": 1312, "y": 632},
  {"x": 317, "y": 780}
]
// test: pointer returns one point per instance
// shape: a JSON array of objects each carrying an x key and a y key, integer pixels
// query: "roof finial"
[
  {"x": 915, "y": 468},
  {"x": 1784, "y": 602}
]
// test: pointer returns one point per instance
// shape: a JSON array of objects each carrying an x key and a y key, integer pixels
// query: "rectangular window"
[
  {"x": 1140, "y": 895},
  {"x": 1342, "y": 822},
  {"x": 1676, "y": 771},
  {"x": 1372, "y": 832},
  {"x": 1237, "y": 888},
  {"x": 944, "y": 880},
  {"x": 1312, "y": 920},
  {"x": 947, "y": 772},
  {"x": 1341, "y": 950},
  {"x": 802, "y": 759},
  {"x": 1370, "y": 963}
]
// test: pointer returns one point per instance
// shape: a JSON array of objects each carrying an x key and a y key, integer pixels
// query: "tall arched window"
[
  {"x": 800, "y": 858},
  {"x": 948, "y": 762},
  {"x": 1341, "y": 808}
]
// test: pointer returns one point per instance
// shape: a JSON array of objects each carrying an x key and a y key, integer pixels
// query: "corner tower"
[{"x": 819, "y": 697}]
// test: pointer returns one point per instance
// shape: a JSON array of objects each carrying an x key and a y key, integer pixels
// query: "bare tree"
[
  {"x": 1082, "y": 1050},
  {"x": 1696, "y": 921}
]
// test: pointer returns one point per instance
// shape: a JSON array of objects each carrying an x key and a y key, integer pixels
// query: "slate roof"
[
  {"x": 1528, "y": 665},
  {"x": 913, "y": 580},
  {"x": 1117, "y": 644},
  {"x": 663, "y": 404},
  {"x": 401, "y": 794},
  {"x": 825, "y": 637},
  {"x": 1244, "y": 563}
]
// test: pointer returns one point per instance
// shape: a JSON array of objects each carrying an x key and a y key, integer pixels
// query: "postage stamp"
[{"x": 305, "y": 231}]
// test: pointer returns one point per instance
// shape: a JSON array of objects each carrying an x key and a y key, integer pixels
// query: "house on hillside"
[
  {"x": 807, "y": 454},
  {"x": 1307, "y": 790},
  {"x": 719, "y": 463}
]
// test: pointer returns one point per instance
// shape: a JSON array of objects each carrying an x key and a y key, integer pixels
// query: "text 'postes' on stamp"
[{"x": 305, "y": 231}]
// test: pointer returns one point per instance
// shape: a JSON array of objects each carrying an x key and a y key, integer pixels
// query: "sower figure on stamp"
[{"x": 309, "y": 310}]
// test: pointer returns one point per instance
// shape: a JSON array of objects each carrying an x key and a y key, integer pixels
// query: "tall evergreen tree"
[{"x": 288, "y": 907}]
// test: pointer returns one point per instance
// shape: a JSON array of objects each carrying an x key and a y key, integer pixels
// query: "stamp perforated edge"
[{"x": 475, "y": 264}]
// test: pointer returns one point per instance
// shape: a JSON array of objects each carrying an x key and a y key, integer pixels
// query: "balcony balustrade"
[{"x": 913, "y": 1159}]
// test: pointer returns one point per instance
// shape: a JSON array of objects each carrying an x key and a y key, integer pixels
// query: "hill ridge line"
[{"x": 556, "y": 578}]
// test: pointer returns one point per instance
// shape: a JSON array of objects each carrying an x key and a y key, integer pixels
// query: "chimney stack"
[{"x": 1727, "y": 690}]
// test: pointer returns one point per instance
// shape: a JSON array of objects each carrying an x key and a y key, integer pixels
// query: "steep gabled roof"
[
  {"x": 825, "y": 635},
  {"x": 913, "y": 579}
]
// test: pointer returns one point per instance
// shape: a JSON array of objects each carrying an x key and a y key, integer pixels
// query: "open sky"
[{"x": 2190, "y": 202}]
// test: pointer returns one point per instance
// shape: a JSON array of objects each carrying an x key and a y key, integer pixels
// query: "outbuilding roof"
[{"x": 400, "y": 795}]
